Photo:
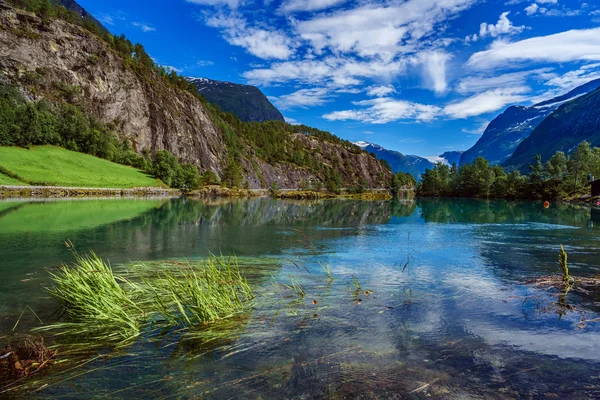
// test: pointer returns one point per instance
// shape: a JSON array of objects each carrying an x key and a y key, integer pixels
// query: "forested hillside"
[{"x": 104, "y": 95}]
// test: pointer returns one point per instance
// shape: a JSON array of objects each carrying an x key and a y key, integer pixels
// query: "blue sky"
[{"x": 418, "y": 76}]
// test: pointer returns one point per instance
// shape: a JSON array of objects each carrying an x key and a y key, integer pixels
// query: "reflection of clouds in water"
[{"x": 566, "y": 344}]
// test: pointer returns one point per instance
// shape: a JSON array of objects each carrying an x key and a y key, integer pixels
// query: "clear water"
[{"x": 450, "y": 314}]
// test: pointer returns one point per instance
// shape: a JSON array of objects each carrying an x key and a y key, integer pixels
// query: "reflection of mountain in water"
[{"x": 189, "y": 228}]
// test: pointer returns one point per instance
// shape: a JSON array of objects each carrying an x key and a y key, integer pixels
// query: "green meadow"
[{"x": 54, "y": 166}]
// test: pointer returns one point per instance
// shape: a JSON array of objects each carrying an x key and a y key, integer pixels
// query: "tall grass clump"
[
  {"x": 92, "y": 296},
  {"x": 101, "y": 304},
  {"x": 562, "y": 262}
]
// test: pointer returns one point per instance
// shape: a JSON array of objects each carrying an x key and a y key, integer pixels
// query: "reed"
[
  {"x": 562, "y": 262},
  {"x": 102, "y": 305}
]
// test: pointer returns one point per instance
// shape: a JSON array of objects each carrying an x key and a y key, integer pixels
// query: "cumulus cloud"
[
  {"x": 302, "y": 98},
  {"x": 503, "y": 27},
  {"x": 379, "y": 30},
  {"x": 532, "y": 9},
  {"x": 380, "y": 91},
  {"x": 573, "y": 45},
  {"x": 265, "y": 44}
]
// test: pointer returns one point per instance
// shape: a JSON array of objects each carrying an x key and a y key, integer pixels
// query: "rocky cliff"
[{"x": 62, "y": 62}]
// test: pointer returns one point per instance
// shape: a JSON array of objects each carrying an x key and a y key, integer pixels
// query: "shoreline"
[
  {"x": 58, "y": 192},
  {"x": 65, "y": 192}
]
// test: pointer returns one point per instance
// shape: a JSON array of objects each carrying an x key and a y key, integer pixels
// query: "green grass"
[
  {"x": 8, "y": 181},
  {"x": 107, "y": 306},
  {"x": 53, "y": 166},
  {"x": 71, "y": 215}
]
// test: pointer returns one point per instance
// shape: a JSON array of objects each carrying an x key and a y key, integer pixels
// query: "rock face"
[
  {"x": 563, "y": 130},
  {"x": 506, "y": 132},
  {"x": 58, "y": 61},
  {"x": 247, "y": 103}
]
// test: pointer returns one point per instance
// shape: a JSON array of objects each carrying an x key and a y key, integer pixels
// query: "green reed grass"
[
  {"x": 562, "y": 262},
  {"x": 102, "y": 305}
]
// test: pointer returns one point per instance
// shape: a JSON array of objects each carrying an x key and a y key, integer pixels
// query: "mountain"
[
  {"x": 452, "y": 157},
  {"x": 504, "y": 134},
  {"x": 247, "y": 103},
  {"x": 73, "y": 6},
  {"x": 399, "y": 162},
  {"x": 563, "y": 130},
  {"x": 91, "y": 76}
]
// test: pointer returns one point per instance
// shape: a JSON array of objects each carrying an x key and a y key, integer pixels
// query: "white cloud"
[
  {"x": 205, "y": 63},
  {"x": 573, "y": 45},
  {"x": 230, "y": 3},
  {"x": 503, "y": 27},
  {"x": 434, "y": 70},
  {"x": 479, "y": 83},
  {"x": 302, "y": 98},
  {"x": 259, "y": 42},
  {"x": 380, "y": 91},
  {"x": 332, "y": 71},
  {"x": 477, "y": 130},
  {"x": 482, "y": 103},
  {"x": 381, "y": 31},
  {"x": 577, "y": 77},
  {"x": 532, "y": 9},
  {"x": 384, "y": 109},
  {"x": 106, "y": 19},
  {"x": 143, "y": 27},
  {"x": 308, "y": 5},
  {"x": 292, "y": 121}
]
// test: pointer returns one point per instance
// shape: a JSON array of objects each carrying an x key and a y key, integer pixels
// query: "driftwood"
[{"x": 25, "y": 355}]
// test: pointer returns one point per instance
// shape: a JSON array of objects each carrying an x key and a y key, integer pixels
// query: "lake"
[{"x": 444, "y": 309}]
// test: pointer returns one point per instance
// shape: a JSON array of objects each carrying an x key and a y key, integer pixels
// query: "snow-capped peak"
[{"x": 362, "y": 144}]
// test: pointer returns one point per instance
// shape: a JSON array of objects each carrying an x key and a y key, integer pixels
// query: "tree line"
[{"x": 559, "y": 177}]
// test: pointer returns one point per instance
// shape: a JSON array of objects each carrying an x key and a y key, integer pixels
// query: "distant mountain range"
[
  {"x": 563, "y": 130},
  {"x": 247, "y": 103},
  {"x": 413, "y": 165},
  {"x": 506, "y": 132}
]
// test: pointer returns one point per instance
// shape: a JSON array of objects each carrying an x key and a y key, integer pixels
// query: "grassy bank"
[
  {"x": 8, "y": 181},
  {"x": 54, "y": 166}
]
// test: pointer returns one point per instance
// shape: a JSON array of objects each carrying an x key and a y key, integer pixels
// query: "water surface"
[{"x": 443, "y": 310}]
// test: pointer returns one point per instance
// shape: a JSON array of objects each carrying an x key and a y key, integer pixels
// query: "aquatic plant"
[
  {"x": 355, "y": 282},
  {"x": 562, "y": 261},
  {"x": 327, "y": 270},
  {"x": 102, "y": 305}
]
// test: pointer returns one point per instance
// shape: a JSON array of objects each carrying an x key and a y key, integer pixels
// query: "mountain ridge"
[
  {"x": 563, "y": 130},
  {"x": 506, "y": 132},
  {"x": 246, "y": 102}
]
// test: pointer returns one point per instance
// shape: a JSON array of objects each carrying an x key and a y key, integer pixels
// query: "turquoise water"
[{"x": 443, "y": 309}]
